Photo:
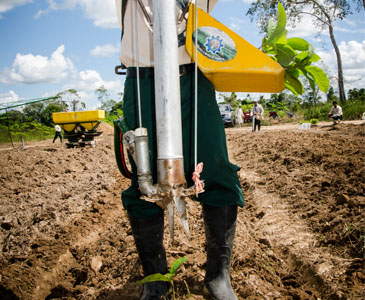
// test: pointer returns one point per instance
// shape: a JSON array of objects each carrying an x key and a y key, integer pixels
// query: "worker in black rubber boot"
[{"x": 223, "y": 193}]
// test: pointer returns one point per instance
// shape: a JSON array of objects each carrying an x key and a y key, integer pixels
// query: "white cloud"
[
  {"x": 102, "y": 12},
  {"x": 30, "y": 69},
  {"x": 351, "y": 30},
  {"x": 87, "y": 81},
  {"x": 353, "y": 62},
  {"x": 104, "y": 50},
  {"x": 349, "y": 22},
  {"x": 6, "y": 5},
  {"x": 236, "y": 23},
  {"x": 234, "y": 26},
  {"x": 304, "y": 28},
  {"x": 90, "y": 80},
  {"x": 10, "y": 96}
]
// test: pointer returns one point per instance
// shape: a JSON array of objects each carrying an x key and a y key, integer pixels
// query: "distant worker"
[
  {"x": 257, "y": 114},
  {"x": 239, "y": 115},
  {"x": 335, "y": 113},
  {"x": 58, "y": 133},
  {"x": 274, "y": 115}
]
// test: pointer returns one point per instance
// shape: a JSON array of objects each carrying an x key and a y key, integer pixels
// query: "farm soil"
[{"x": 64, "y": 233}]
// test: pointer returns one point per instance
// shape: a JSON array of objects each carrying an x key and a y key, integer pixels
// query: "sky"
[{"x": 48, "y": 46}]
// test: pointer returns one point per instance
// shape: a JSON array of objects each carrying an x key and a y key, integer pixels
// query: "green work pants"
[{"x": 222, "y": 186}]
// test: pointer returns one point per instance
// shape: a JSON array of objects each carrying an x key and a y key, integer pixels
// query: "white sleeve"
[
  {"x": 118, "y": 5},
  {"x": 339, "y": 111}
]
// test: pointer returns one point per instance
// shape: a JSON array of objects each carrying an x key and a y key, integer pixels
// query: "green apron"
[{"x": 222, "y": 186}]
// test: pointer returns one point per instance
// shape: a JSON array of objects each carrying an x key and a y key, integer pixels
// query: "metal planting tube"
[
  {"x": 170, "y": 164},
  {"x": 143, "y": 162},
  {"x": 170, "y": 188}
]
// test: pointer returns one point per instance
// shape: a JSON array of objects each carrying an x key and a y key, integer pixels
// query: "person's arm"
[{"x": 331, "y": 111}]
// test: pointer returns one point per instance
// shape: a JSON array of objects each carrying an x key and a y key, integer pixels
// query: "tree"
[
  {"x": 331, "y": 94},
  {"x": 357, "y": 94},
  {"x": 121, "y": 95},
  {"x": 117, "y": 107},
  {"x": 102, "y": 93},
  {"x": 312, "y": 96},
  {"x": 232, "y": 100},
  {"x": 71, "y": 98},
  {"x": 11, "y": 117},
  {"x": 33, "y": 111},
  {"x": 324, "y": 13},
  {"x": 46, "y": 115},
  {"x": 107, "y": 104}
]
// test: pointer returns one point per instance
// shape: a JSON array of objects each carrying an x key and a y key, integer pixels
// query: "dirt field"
[{"x": 65, "y": 235}]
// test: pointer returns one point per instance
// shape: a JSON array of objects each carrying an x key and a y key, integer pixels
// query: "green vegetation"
[
  {"x": 295, "y": 55},
  {"x": 168, "y": 277},
  {"x": 352, "y": 110},
  {"x": 323, "y": 15},
  {"x": 29, "y": 131},
  {"x": 34, "y": 121},
  {"x": 292, "y": 108},
  {"x": 314, "y": 121},
  {"x": 113, "y": 109}
]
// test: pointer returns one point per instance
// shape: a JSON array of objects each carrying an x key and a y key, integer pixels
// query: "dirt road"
[{"x": 65, "y": 235}]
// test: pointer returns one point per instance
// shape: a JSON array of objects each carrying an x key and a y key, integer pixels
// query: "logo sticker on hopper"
[{"x": 215, "y": 44}]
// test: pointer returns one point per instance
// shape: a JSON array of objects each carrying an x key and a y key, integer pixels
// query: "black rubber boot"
[
  {"x": 220, "y": 228},
  {"x": 148, "y": 237}
]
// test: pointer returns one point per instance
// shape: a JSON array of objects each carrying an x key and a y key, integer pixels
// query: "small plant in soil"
[
  {"x": 168, "y": 277},
  {"x": 314, "y": 121}
]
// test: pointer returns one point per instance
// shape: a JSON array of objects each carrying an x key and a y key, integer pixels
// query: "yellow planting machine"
[{"x": 80, "y": 127}]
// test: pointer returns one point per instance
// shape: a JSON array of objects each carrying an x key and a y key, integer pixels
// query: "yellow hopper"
[
  {"x": 231, "y": 63},
  {"x": 79, "y": 126},
  {"x": 88, "y": 119}
]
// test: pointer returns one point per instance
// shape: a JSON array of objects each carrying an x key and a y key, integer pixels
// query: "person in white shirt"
[
  {"x": 58, "y": 133},
  {"x": 239, "y": 115},
  {"x": 335, "y": 113},
  {"x": 257, "y": 113}
]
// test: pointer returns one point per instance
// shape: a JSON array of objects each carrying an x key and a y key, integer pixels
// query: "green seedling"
[
  {"x": 314, "y": 121},
  {"x": 168, "y": 277}
]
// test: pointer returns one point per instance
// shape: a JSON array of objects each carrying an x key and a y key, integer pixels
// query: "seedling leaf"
[
  {"x": 177, "y": 264},
  {"x": 154, "y": 277}
]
